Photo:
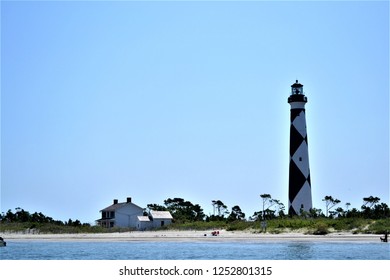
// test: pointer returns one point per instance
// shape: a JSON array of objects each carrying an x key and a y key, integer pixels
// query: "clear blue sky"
[{"x": 155, "y": 100}]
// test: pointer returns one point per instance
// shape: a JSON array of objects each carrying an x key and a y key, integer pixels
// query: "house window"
[
  {"x": 112, "y": 214},
  {"x": 162, "y": 223}
]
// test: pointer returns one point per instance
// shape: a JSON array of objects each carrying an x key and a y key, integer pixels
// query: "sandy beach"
[{"x": 193, "y": 236}]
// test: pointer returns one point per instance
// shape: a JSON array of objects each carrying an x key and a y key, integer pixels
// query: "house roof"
[
  {"x": 113, "y": 207},
  {"x": 143, "y": 218},
  {"x": 100, "y": 220},
  {"x": 116, "y": 206},
  {"x": 161, "y": 215}
]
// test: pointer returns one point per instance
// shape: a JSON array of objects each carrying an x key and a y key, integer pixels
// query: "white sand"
[{"x": 194, "y": 236}]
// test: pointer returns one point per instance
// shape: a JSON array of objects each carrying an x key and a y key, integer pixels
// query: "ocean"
[{"x": 120, "y": 250}]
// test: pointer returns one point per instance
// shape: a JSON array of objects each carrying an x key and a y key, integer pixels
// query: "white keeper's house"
[{"x": 129, "y": 215}]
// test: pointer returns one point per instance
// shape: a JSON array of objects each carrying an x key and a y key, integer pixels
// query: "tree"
[
  {"x": 267, "y": 213},
  {"x": 330, "y": 202},
  {"x": 256, "y": 216},
  {"x": 198, "y": 211},
  {"x": 370, "y": 201},
  {"x": 22, "y": 216},
  {"x": 10, "y": 216},
  {"x": 76, "y": 223},
  {"x": 353, "y": 213},
  {"x": 40, "y": 218},
  {"x": 214, "y": 203},
  {"x": 221, "y": 208},
  {"x": 381, "y": 211},
  {"x": 340, "y": 212},
  {"x": 375, "y": 210},
  {"x": 156, "y": 207},
  {"x": 267, "y": 203},
  {"x": 279, "y": 207},
  {"x": 183, "y": 210},
  {"x": 236, "y": 214},
  {"x": 315, "y": 213},
  {"x": 369, "y": 204}
]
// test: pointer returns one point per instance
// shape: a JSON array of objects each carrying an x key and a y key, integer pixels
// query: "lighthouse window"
[{"x": 300, "y": 158}]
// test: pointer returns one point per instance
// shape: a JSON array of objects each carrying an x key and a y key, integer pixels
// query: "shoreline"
[{"x": 191, "y": 236}]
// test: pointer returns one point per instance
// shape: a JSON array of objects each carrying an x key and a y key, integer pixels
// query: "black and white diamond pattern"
[
  {"x": 299, "y": 173},
  {"x": 299, "y": 122}
]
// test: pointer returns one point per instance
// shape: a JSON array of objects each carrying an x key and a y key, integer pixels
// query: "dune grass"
[{"x": 316, "y": 226}]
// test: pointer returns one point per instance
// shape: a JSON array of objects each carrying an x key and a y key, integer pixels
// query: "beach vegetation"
[
  {"x": 380, "y": 226},
  {"x": 373, "y": 217},
  {"x": 320, "y": 228}
]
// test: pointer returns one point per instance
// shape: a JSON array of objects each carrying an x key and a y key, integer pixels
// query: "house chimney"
[
  {"x": 115, "y": 201},
  {"x": 129, "y": 200}
]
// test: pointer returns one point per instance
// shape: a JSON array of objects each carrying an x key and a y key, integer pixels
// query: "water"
[{"x": 302, "y": 250}]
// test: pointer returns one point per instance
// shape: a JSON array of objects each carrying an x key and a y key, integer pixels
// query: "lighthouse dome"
[{"x": 296, "y": 84}]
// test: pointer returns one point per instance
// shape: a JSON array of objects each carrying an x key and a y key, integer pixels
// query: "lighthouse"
[{"x": 299, "y": 189}]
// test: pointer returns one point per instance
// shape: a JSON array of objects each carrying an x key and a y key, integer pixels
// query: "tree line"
[
  {"x": 22, "y": 216},
  {"x": 184, "y": 211},
  {"x": 370, "y": 209}
]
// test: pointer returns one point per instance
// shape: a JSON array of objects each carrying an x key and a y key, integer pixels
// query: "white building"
[
  {"x": 129, "y": 215},
  {"x": 120, "y": 214},
  {"x": 143, "y": 223},
  {"x": 154, "y": 220}
]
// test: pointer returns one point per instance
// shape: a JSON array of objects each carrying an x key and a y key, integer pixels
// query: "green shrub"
[
  {"x": 347, "y": 224},
  {"x": 320, "y": 228},
  {"x": 238, "y": 225},
  {"x": 379, "y": 226}
]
